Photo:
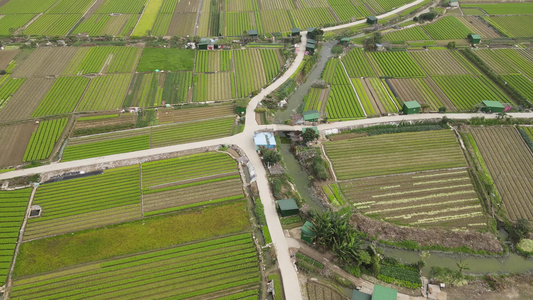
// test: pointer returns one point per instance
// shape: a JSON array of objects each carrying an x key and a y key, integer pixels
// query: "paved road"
[
  {"x": 390, "y": 13},
  {"x": 245, "y": 141}
]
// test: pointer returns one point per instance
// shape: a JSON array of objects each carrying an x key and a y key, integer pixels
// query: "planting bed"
[
  {"x": 13, "y": 206},
  {"x": 511, "y": 171},
  {"x": 399, "y": 153},
  {"x": 427, "y": 199},
  {"x": 42, "y": 141}
]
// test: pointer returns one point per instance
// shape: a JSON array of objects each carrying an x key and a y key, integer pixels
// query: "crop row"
[
  {"x": 312, "y": 17},
  {"x": 356, "y": 64},
  {"x": 521, "y": 59},
  {"x": 238, "y": 22},
  {"x": 465, "y": 91},
  {"x": 395, "y": 64},
  {"x": 447, "y": 28},
  {"x": 43, "y": 140},
  {"x": 408, "y": 34},
  {"x": 12, "y": 210},
  {"x": 117, "y": 6},
  {"x": 213, "y": 87},
  {"x": 439, "y": 63},
  {"x": 198, "y": 269},
  {"x": 512, "y": 26},
  {"x": 145, "y": 91},
  {"x": 176, "y": 88},
  {"x": 9, "y": 88},
  {"x": 13, "y": 21},
  {"x": 249, "y": 70},
  {"x": 213, "y": 61},
  {"x": 92, "y": 193},
  {"x": 435, "y": 150},
  {"x": 102, "y": 148},
  {"x": 105, "y": 92},
  {"x": 62, "y": 97},
  {"x": 523, "y": 85}
]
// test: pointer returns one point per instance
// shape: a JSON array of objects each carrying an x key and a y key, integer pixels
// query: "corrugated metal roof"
[
  {"x": 411, "y": 104},
  {"x": 264, "y": 139}
]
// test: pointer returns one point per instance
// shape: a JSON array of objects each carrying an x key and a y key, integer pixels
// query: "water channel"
[
  {"x": 511, "y": 263},
  {"x": 295, "y": 100}
]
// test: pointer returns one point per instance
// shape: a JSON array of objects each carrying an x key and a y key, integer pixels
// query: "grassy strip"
[
  {"x": 151, "y": 233},
  {"x": 209, "y": 202},
  {"x": 278, "y": 290},
  {"x": 266, "y": 234},
  {"x": 97, "y": 117}
]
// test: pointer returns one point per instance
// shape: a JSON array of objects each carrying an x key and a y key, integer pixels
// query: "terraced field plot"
[
  {"x": 342, "y": 102},
  {"x": 13, "y": 206},
  {"x": 408, "y": 34},
  {"x": 105, "y": 93},
  {"x": 439, "y": 62},
  {"x": 521, "y": 59},
  {"x": 513, "y": 26},
  {"x": 42, "y": 141},
  {"x": 194, "y": 113},
  {"x": 426, "y": 199},
  {"x": 511, "y": 171},
  {"x": 107, "y": 59},
  {"x": 146, "y": 138},
  {"x": 213, "y": 61},
  {"x": 45, "y": 61},
  {"x": 219, "y": 267},
  {"x": 357, "y": 64},
  {"x": 395, "y": 64},
  {"x": 62, "y": 97},
  {"x": 430, "y": 150},
  {"x": 145, "y": 90},
  {"x": 447, "y": 28},
  {"x": 496, "y": 62},
  {"x": 467, "y": 91},
  {"x": 212, "y": 87},
  {"x": 77, "y": 204},
  {"x": 190, "y": 181},
  {"x": 423, "y": 90},
  {"x": 254, "y": 68}
]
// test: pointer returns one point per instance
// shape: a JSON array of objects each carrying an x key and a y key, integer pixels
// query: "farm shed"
[
  {"x": 311, "y": 41},
  {"x": 308, "y": 232},
  {"x": 384, "y": 293},
  {"x": 204, "y": 44},
  {"x": 252, "y": 33},
  {"x": 454, "y": 3},
  {"x": 309, "y": 47},
  {"x": 372, "y": 20},
  {"x": 311, "y": 30},
  {"x": 264, "y": 140},
  {"x": 474, "y": 38},
  {"x": 491, "y": 106},
  {"x": 311, "y": 116},
  {"x": 295, "y": 32},
  {"x": 287, "y": 207},
  {"x": 358, "y": 295},
  {"x": 345, "y": 41},
  {"x": 411, "y": 107}
]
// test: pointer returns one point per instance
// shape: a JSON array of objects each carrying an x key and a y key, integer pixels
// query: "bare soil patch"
[
  {"x": 14, "y": 139},
  {"x": 511, "y": 287},
  {"x": 26, "y": 99},
  {"x": 6, "y": 56},
  {"x": 451, "y": 239}
]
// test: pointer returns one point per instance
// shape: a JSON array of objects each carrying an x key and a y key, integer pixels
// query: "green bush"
[
  {"x": 400, "y": 275},
  {"x": 259, "y": 211}
]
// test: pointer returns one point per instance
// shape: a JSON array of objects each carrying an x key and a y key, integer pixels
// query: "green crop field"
[
  {"x": 342, "y": 102},
  {"x": 521, "y": 59},
  {"x": 153, "y": 233},
  {"x": 108, "y": 59},
  {"x": 345, "y": 10},
  {"x": 467, "y": 91},
  {"x": 513, "y": 26},
  {"x": 312, "y": 100},
  {"x": 238, "y": 22},
  {"x": 523, "y": 85},
  {"x": 62, "y": 97},
  {"x": 13, "y": 206},
  {"x": 439, "y": 62},
  {"x": 395, "y": 64},
  {"x": 357, "y": 157},
  {"x": 169, "y": 59},
  {"x": 254, "y": 68},
  {"x": 275, "y": 20},
  {"x": 26, "y": 6},
  {"x": 366, "y": 101},
  {"x": 211, "y": 61},
  {"x": 13, "y": 21},
  {"x": 176, "y": 88},
  {"x": 447, "y": 28},
  {"x": 213, "y": 87},
  {"x": 145, "y": 90},
  {"x": 503, "y": 8},
  {"x": 423, "y": 90},
  {"x": 189, "y": 181},
  {"x": 93, "y": 201},
  {"x": 220, "y": 267},
  {"x": 42, "y": 141},
  {"x": 8, "y": 88},
  {"x": 409, "y": 34},
  {"x": 312, "y": 17},
  {"x": 148, "y": 18},
  {"x": 496, "y": 62},
  {"x": 118, "y": 6},
  {"x": 425, "y": 199},
  {"x": 356, "y": 64},
  {"x": 146, "y": 138},
  {"x": 105, "y": 93}
]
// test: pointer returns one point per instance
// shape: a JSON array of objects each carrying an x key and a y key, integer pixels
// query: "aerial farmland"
[{"x": 261, "y": 149}]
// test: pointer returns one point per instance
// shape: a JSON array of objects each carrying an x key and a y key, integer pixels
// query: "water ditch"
[{"x": 296, "y": 99}]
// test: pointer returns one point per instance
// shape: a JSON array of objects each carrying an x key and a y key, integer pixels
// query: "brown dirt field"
[
  {"x": 123, "y": 119},
  {"x": 182, "y": 24},
  {"x": 6, "y": 57},
  {"x": 26, "y": 99},
  {"x": 376, "y": 103},
  {"x": 190, "y": 114},
  {"x": 14, "y": 139},
  {"x": 476, "y": 25},
  {"x": 45, "y": 62},
  {"x": 385, "y": 231},
  {"x": 93, "y": 9},
  {"x": 511, "y": 287},
  {"x": 324, "y": 95}
]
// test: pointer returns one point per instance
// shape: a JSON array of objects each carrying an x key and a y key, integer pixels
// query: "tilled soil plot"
[{"x": 14, "y": 139}]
